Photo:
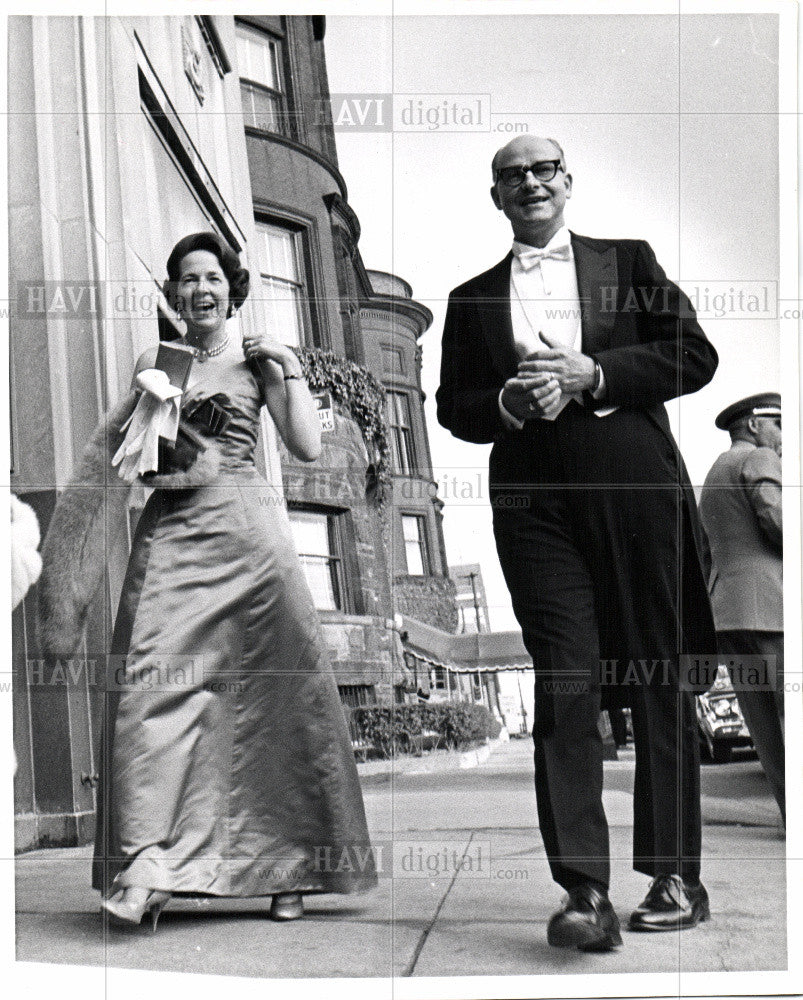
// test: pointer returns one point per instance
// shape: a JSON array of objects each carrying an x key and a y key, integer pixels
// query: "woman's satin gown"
[{"x": 226, "y": 763}]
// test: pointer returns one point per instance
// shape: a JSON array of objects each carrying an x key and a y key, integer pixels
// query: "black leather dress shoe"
[
  {"x": 586, "y": 921},
  {"x": 671, "y": 905}
]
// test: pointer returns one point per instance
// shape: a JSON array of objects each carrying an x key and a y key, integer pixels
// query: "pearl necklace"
[{"x": 202, "y": 355}]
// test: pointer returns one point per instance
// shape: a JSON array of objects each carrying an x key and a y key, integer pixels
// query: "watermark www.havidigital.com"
[
  {"x": 126, "y": 298},
  {"x": 400, "y": 859},
  {"x": 144, "y": 299},
  {"x": 418, "y": 112},
  {"x": 705, "y": 300},
  {"x": 120, "y": 673},
  {"x": 78, "y": 300},
  {"x": 688, "y": 672},
  {"x": 748, "y": 672},
  {"x": 334, "y": 484}
]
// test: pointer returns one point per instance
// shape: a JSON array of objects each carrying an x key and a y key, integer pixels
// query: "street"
[{"x": 464, "y": 890}]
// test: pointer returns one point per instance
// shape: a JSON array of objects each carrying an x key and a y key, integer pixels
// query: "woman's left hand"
[{"x": 261, "y": 345}]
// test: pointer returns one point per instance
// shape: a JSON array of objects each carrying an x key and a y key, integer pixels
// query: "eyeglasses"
[{"x": 543, "y": 170}]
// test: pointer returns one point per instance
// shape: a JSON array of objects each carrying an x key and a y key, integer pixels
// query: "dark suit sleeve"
[
  {"x": 761, "y": 475},
  {"x": 706, "y": 560},
  {"x": 673, "y": 356},
  {"x": 467, "y": 398}
]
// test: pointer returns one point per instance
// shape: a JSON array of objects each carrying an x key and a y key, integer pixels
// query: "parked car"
[{"x": 720, "y": 720}]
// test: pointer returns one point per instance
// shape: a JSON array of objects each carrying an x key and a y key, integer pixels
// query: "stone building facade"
[
  {"x": 393, "y": 324},
  {"x": 128, "y": 133}
]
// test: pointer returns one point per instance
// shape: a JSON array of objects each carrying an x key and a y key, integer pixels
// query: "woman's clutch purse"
[
  {"x": 175, "y": 360},
  {"x": 199, "y": 419}
]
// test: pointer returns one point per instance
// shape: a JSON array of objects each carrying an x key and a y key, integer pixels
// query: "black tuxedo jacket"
[
  {"x": 643, "y": 331},
  {"x": 639, "y": 325}
]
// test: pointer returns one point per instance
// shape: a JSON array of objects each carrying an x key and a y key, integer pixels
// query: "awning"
[
  {"x": 484, "y": 652},
  {"x": 420, "y": 660}
]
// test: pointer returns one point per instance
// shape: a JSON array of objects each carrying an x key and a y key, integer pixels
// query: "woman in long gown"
[{"x": 227, "y": 766}]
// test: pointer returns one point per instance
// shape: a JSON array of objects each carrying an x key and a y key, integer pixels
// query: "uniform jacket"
[{"x": 740, "y": 508}]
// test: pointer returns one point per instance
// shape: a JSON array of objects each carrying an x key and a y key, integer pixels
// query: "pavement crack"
[{"x": 409, "y": 969}]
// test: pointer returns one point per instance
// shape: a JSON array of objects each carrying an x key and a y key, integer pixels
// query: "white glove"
[{"x": 156, "y": 415}]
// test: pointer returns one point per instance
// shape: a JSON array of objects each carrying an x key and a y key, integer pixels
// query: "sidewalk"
[{"x": 444, "y": 923}]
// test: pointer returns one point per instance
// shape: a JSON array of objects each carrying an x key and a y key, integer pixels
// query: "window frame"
[
  {"x": 393, "y": 361},
  {"x": 341, "y": 540},
  {"x": 281, "y": 95},
  {"x": 302, "y": 232},
  {"x": 357, "y": 695},
  {"x": 423, "y": 542},
  {"x": 402, "y": 436}
]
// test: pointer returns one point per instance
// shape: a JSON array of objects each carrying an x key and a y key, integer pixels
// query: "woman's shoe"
[
  {"x": 128, "y": 909},
  {"x": 287, "y": 906}
]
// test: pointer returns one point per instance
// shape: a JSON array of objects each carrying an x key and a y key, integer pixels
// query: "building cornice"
[
  {"x": 300, "y": 147},
  {"x": 395, "y": 279},
  {"x": 338, "y": 205},
  {"x": 411, "y": 310}
]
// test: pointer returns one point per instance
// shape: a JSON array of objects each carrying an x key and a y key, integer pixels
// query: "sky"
[{"x": 670, "y": 127}]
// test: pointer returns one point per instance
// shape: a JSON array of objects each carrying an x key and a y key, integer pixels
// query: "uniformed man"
[{"x": 740, "y": 508}]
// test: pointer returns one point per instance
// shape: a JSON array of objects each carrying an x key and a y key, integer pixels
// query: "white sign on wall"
[{"x": 326, "y": 414}]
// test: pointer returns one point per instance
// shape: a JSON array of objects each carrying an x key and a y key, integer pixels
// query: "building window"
[
  {"x": 476, "y": 686},
  {"x": 392, "y": 360},
  {"x": 327, "y": 550},
  {"x": 472, "y": 618},
  {"x": 259, "y": 57},
  {"x": 284, "y": 293},
  {"x": 316, "y": 540},
  {"x": 415, "y": 544},
  {"x": 352, "y": 697},
  {"x": 357, "y": 695},
  {"x": 437, "y": 679},
  {"x": 401, "y": 433}
]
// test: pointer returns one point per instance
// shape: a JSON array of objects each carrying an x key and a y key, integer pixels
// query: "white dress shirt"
[{"x": 545, "y": 297}]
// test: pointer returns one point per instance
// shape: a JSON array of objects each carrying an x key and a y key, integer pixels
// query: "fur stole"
[
  {"x": 75, "y": 550},
  {"x": 202, "y": 472}
]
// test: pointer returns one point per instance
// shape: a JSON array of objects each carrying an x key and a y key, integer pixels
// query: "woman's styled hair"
[{"x": 238, "y": 277}]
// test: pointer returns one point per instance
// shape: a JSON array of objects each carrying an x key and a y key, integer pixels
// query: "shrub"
[
  {"x": 356, "y": 389},
  {"x": 392, "y": 729}
]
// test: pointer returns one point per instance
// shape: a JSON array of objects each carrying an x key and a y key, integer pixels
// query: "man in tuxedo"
[
  {"x": 562, "y": 355},
  {"x": 740, "y": 508}
]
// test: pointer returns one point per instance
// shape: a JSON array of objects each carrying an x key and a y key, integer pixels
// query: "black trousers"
[
  {"x": 590, "y": 544},
  {"x": 762, "y": 710}
]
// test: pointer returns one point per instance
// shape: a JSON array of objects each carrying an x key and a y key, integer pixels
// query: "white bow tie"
[{"x": 532, "y": 255}]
